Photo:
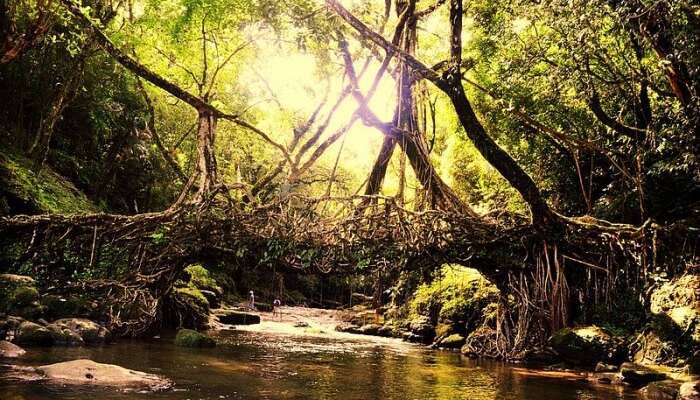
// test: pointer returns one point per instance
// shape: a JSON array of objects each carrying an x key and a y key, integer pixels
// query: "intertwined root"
[{"x": 137, "y": 259}]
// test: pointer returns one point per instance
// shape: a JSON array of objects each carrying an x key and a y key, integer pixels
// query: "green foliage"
[
  {"x": 457, "y": 294},
  {"x": 200, "y": 278},
  {"x": 192, "y": 296},
  {"x": 24, "y": 296},
  {"x": 160, "y": 235},
  {"x": 43, "y": 192}
]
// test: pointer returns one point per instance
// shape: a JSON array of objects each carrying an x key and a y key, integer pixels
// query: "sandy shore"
[{"x": 316, "y": 322}]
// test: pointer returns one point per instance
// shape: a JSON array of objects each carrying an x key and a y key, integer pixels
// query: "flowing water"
[{"x": 255, "y": 365}]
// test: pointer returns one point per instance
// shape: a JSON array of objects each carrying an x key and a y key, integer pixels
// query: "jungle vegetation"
[{"x": 551, "y": 145}]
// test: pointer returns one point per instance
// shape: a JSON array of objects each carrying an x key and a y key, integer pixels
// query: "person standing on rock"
[
  {"x": 276, "y": 308},
  {"x": 251, "y": 304}
]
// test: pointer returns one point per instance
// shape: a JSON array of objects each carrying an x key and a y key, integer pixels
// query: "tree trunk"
[
  {"x": 206, "y": 159},
  {"x": 451, "y": 85},
  {"x": 411, "y": 139},
  {"x": 376, "y": 177},
  {"x": 500, "y": 159}
]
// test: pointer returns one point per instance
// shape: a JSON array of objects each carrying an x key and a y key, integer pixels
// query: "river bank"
[
  {"x": 254, "y": 363},
  {"x": 336, "y": 331}
]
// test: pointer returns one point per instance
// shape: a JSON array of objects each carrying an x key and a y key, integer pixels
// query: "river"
[{"x": 264, "y": 365}]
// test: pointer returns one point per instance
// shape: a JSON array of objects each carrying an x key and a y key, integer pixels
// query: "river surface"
[{"x": 257, "y": 365}]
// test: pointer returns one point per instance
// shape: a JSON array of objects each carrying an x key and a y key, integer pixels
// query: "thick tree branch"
[{"x": 612, "y": 123}]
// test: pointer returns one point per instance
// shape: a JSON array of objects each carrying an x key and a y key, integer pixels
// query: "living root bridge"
[{"x": 134, "y": 261}]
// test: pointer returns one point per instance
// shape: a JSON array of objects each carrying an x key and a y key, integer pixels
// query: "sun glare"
[{"x": 288, "y": 82}]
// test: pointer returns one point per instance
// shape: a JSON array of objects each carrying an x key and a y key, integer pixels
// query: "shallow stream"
[{"x": 256, "y": 365}]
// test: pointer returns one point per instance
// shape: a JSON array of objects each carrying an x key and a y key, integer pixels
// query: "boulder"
[
  {"x": 187, "y": 307},
  {"x": 361, "y": 318},
  {"x": 541, "y": 355},
  {"x": 370, "y": 329},
  {"x": 90, "y": 332},
  {"x": 18, "y": 296},
  {"x": 8, "y": 327},
  {"x": 347, "y": 328},
  {"x": 25, "y": 296},
  {"x": 232, "y": 317},
  {"x": 16, "y": 280},
  {"x": 211, "y": 297},
  {"x": 603, "y": 367},
  {"x": 301, "y": 324},
  {"x": 359, "y": 298},
  {"x": 64, "y": 336},
  {"x": 423, "y": 328},
  {"x": 678, "y": 301},
  {"x": 31, "y": 334},
  {"x": 88, "y": 372},
  {"x": 190, "y": 338},
  {"x": 660, "y": 390},
  {"x": 454, "y": 341},
  {"x": 639, "y": 375},
  {"x": 412, "y": 337},
  {"x": 588, "y": 345},
  {"x": 9, "y": 350},
  {"x": 689, "y": 391},
  {"x": 387, "y": 330}
]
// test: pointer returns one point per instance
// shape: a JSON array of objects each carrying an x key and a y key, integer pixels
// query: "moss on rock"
[
  {"x": 588, "y": 345},
  {"x": 454, "y": 341},
  {"x": 638, "y": 375},
  {"x": 200, "y": 278},
  {"x": 89, "y": 331},
  {"x": 455, "y": 302},
  {"x": 24, "y": 296},
  {"x": 672, "y": 336},
  {"x": 31, "y": 334},
  {"x": 26, "y": 191},
  {"x": 191, "y": 338},
  {"x": 56, "y": 307}
]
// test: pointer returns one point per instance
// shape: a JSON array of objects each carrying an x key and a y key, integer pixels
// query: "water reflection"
[{"x": 250, "y": 365}]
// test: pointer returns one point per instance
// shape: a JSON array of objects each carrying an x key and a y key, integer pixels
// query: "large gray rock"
[
  {"x": 31, "y": 334},
  {"x": 588, "y": 345},
  {"x": 232, "y": 317},
  {"x": 422, "y": 329},
  {"x": 19, "y": 296},
  {"x": 9, "y": 350},
  {"x": 91, "y": 332},
  {"x": 679, "y": 302},
  {"x": 639, "y": 375},
  {"x": 660, "y": 390},
  {"x": 90, "y": 373}
]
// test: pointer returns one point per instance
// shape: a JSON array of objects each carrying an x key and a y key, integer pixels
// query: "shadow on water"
[{"x": 249, "y": 365}]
